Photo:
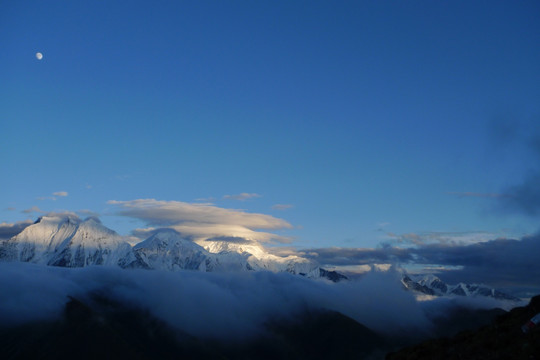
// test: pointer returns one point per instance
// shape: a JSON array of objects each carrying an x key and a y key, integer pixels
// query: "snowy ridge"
[
  {"x": 432, "y": 285},
  {"x": 258, "y": 259},
  {"x": 167, "y": 250},
  {"x": 67, "y": 241}
]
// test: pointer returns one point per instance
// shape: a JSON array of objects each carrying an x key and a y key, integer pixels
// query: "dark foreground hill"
[
  {"x": 101, "y": 329},
  {"x": 502, "y": 339},
  {"x": 97, "y": 327}
]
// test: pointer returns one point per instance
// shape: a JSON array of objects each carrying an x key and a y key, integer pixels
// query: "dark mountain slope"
[
  {"x": 502, "y": 339},
  {"x": 99, "y": 328}
]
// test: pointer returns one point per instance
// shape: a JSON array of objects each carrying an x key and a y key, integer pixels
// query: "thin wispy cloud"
[
  {"x": 203, "y": 221},
  {"x": 242, "y": 196},
  {"x": 143, "y": 233},
  {"x": 33, "y": 209},
  {"x": 86, "y": 212},
  {"x": 382, "y": 225},
  {"x": 444, "y": 237},
  {"x": 42, "y": 198},
  {"x": 207, "y": 200},
  {"x": 282, "y": 207},
  {"x": 54, "y": 195}
]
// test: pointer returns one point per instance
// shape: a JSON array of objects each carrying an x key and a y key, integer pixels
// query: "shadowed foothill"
[{"x": 502, "y": 339}]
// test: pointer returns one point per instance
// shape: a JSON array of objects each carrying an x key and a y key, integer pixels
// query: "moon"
[{"x": 39, "y": 56}]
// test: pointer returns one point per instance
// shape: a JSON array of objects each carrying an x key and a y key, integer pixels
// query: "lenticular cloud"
[{"x": 203, "y": 221}]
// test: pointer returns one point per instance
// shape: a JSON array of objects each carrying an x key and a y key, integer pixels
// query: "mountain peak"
[
  {"x": 167, "y": 249},
  {"x": 94, "y": 219},
  {"x": 432, "y": 285},
  {"x": 60, "y": 217},
  {"x": 65, "y": 240}
]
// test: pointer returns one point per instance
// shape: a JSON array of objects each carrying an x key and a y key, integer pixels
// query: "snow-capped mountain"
[
  {"x": 432, "y": 285},
  {"x": 257, "y": 258},
  {"x": 167, "y": 250},
  {"x": 67, "y": 241}
]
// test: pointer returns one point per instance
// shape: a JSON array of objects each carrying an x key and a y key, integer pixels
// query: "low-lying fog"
[{"x": 220, "y": 305}]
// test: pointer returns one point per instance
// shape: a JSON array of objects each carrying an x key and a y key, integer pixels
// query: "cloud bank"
[
  {"x": 444, "y": 237},
  {"x": 501, "y": 263},
  {"x": 203, "y": 221},
  {"x": 232, "y": 305},
  {"x": 8, "y": 230}
]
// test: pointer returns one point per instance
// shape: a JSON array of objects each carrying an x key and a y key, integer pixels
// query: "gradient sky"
[{"x": 357, "y": 122}]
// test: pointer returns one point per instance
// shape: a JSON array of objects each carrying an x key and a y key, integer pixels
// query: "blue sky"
[{"x": 371, "y": 121}]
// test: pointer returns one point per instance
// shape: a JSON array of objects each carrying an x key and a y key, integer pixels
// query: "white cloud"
[
  {"x": 63, "y": 214},
  {"x": 201, "y": 231},
  {"x": 283, "y": 251},
  {"x": 242, "y": 196},
  {"x": 203, "y": 221},
  {"x": 61, "y": 193},
  {"x": 357, "y": 269}
]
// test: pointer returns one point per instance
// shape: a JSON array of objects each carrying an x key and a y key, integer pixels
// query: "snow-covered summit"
[
  {"x": 434, "y": 286},
  {"x": 66, "y": 240},
  {"x": 167, "y": 250},
  {"x": 258, "y": 258}
]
